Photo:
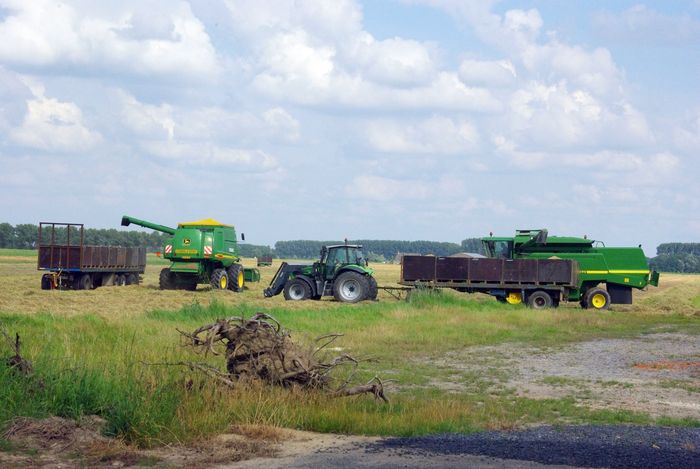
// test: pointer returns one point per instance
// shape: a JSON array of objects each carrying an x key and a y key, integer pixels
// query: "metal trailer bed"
[
  {"x": 506, "y": 279},
  {"x": 72, "y": 264}
]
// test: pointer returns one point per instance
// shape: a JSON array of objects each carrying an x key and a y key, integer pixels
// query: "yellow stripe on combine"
[{"x": 621, "y": 272}]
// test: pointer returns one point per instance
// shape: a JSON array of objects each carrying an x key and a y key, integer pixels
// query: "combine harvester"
[
  {"x": 539, "y": 270},
  {"x": 203, "y": 251}
]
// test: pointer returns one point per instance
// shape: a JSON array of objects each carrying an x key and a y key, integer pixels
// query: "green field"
[{"x": 93, "y": 353}]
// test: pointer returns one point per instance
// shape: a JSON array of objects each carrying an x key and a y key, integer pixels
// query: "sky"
[{"x": 377, "y": 119}]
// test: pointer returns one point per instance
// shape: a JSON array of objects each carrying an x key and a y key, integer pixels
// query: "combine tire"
[
  {"x": 219, "y": 279},
  {"x": 85, "y": 282},
  {"x": 166, "y": 280},
  {"x": 373, "y": 289},
  {"x": 539, "y": 300},
  {"x": 350, "y": 287},
  {"x": 597, "y": 298},
  {"x": 236, "y": 278},
  {"x": 297, "y": 289}
]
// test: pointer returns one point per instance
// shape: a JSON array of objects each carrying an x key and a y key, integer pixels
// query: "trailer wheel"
[
  {"x": 166, "y": 281},
  {"x": 350, "y": 287},
  {"x": 219, "y": 279},
  {"x": 297, "y": 289},
  {"x": 46, "y": 282},
  {"x": 85, "y": 282},
  {"x": 539, "y": 300},
  {"x": 119, "y": 280},
  {"x": 597, "y": 298},
  {"x": 131, "y": 279},
  {"x": 236, "y": 277}
]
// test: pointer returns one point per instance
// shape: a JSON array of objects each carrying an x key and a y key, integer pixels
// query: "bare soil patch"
[{"x": 655, "y": 373}]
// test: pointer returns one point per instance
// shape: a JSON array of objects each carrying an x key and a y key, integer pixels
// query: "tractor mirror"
[{"x": 242, "y": 236}]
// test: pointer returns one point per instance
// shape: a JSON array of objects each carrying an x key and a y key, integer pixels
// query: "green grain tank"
[{"x": 202, "y": 251}]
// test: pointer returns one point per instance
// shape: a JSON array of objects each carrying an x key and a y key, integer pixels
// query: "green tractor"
[
  {"x": 203, "y": 251},
  {"x": 606, "y": 275},
  {"x": 341, "y": 272}
]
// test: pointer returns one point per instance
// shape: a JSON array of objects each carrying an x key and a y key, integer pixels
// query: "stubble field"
[{"x": 455, "y": 363}]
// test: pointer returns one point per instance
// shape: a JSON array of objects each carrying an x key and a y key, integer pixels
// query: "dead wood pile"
[
  {"x": 259, "y": 349},
  {"x": 16, "y": 362}
]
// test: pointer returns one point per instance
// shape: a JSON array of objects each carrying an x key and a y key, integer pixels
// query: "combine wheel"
[
  {"x": 350, "y": 287},
  {"x": 373, "y": 289},
  {"x": 236, "y": 277},
  {"x": 539, "y": 300},
  {"x": 166, "y": 280},
  {"x": 297, "y": 289},
  {"x": 219, "y": 279},
  {"x": 597, "y": 298},
  {"x": 131, "y": 279},
  {"x": 85, "y": 282}
]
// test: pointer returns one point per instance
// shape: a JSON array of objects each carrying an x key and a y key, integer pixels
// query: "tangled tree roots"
[
  {"x": 259, "y": 349},
  {"x": 16, "y": 362}
]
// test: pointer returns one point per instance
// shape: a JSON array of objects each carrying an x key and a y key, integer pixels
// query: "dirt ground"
[{"x": 658, "y": 374}]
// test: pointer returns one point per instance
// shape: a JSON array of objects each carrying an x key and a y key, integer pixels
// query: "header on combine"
[{"x": 200, "y": 251}]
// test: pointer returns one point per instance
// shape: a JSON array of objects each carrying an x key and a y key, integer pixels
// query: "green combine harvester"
[
  {"x": 341, "y": 272},
  {"x": 203, "y": 251},
  {"x": 605, "y": 274}
]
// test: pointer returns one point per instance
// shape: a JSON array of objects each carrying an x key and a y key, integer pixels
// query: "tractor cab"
[
  {"x": 335, "y": 257},
  {"x": 498, "y": 248}
]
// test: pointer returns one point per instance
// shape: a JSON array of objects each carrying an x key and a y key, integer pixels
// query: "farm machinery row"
[{"x": 532, "y": 267}]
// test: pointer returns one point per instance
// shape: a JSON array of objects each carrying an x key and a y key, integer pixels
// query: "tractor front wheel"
[
  {"x": 350, "y": 287},
  {"x": 297, "y": 289},
  {"x": 597, "y": 298},
  {"x": 236, "y": 277},
  {"x": 219, "y": 279}
]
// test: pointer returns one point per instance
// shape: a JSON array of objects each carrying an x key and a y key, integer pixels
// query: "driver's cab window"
[
  {"x": 502, "y": 249},
  {"x": 338, "y": 256}
]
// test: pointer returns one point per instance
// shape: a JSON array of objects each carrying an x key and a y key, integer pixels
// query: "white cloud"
[
  {"x": 54, "y": 125},
  {"x": 487, "y": 73},
  {"x": 436, "y": 135},
  {"x": 642, "y": 26},
  {"x": 125, "y": 37},
  {"x": 379, "y": 188}
]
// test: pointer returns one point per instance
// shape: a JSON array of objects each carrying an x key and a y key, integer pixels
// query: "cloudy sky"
[{"x": 391, "y": 119}]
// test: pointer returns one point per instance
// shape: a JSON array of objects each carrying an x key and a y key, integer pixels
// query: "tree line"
[{"x": 671, "y": 257}]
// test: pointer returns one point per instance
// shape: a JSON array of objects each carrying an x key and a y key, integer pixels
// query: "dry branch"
[{"x": 16, "y": 361}]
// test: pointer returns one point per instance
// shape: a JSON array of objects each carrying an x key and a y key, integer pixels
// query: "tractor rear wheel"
[
  {"x": 236, "y": 277},
  {"x": 539, "y": 300},
  {"x": 166, "y": 281},
  {"x": 373, "y": 289},
  {"x": 597, "y": 298},
  {"x": 350, "y": 287},
  {"x": 297, "y": 289},
  {"x": 219, "y": 279}
]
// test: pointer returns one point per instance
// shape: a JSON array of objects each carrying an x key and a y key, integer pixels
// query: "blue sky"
[{"x": 391, "y": 119}]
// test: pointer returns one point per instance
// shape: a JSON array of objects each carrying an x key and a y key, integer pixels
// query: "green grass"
[
  {"x": 89, "y": 364},
  {"x": 18, "y": 252}
]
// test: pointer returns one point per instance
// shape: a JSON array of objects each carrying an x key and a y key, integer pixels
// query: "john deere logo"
[{"x": 187, "y": 241}]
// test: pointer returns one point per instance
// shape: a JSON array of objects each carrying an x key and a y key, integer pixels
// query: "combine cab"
[
  {"x": 340, "y": 272},
  {"x": 203, "y": 251}
]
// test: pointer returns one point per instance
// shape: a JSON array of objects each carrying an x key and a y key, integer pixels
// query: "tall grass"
[{"x": 90, "y": 364}]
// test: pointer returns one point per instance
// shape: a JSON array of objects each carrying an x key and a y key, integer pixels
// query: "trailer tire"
[
  {"x": 85, "y": 282},
  {"x": 351, "y": 287},
  {"x": 46, "y": 282},
  {"x": 539, "y": 299},
  {"x": 166, "y": 281},
  {"x": 373, "y": 289},
  {"x": 297, "y": 289},
  {"x": 119, "y": 280},
  {"x": 597, "y": 298},
  {"x": 236, "y": 278},
  {"x": 131, "y": 279},
  {"x": 219, "y": 279}
]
